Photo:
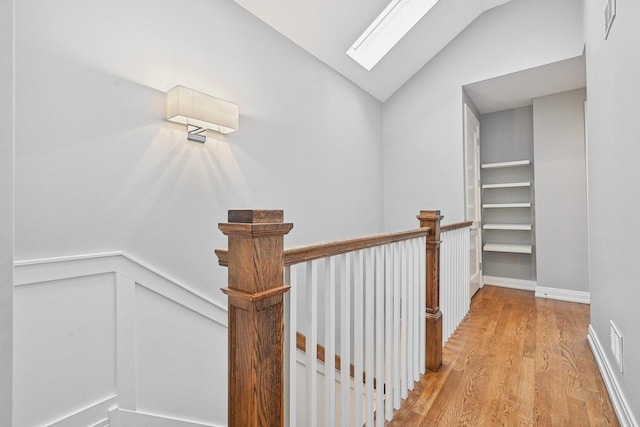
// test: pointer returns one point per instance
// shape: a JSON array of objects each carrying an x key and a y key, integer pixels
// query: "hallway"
[{"x": 516, "y": 360}]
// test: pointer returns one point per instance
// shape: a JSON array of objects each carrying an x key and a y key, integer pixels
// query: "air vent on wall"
[{"x": 616, "y": 344}]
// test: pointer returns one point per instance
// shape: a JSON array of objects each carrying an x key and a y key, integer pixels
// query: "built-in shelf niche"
[{"x": 507, "y": 184}]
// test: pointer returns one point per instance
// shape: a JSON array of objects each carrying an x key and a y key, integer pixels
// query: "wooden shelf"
[
  {"x": 506, "y": 205},
  {"x": 502, "y": 247},
  {"x": 523, "y": 227},
  {"x": 508, "y": 185},
  {"x": 506, "y": 164}
]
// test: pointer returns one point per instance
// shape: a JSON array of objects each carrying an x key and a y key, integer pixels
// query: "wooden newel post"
[
  {"x": 432, "y": 220},
  {"x": 256, "y": 323}
]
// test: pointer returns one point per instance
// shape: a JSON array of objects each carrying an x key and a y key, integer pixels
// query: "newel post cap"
[
  {"x": 426, "y": 215},
  {"x": 255, "y": 216},
  {"x": 253, "y": 222}
]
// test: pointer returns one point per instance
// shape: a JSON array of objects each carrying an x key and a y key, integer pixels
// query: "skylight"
[{"x": 387, "y": 29}]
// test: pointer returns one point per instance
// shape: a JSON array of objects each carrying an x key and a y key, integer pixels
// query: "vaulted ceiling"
[{"x": 327, "y": 28}]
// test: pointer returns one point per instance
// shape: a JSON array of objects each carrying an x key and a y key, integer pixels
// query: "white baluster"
[
  {"x": 345, "y": 338},
  {"x": 379, "y": 341},
  {"x": 329, "y": 342},
  {"x": 459, "y": 278},
  {"x": 422, "y": 248},
  {"x": 467, "y": 263},
  {"x": 369, "y": 325},
  {"x": 444, "y": 298},
  {"x": 358, "y": 319},
  {"x": 449, "y": 283},
  {"x": 397, "y": 338},
  {"x": 311, "y": 343},
  {"x": 290, "y": 363},
  {"x": 411, "y": 334},
  {"x": 388, "y": 328},
  {"x": 404, "y": 322},
  {"x": 416, "y": 311}
]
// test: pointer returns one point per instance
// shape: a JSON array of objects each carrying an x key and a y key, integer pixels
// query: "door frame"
[{"x": 470, "y": 119}]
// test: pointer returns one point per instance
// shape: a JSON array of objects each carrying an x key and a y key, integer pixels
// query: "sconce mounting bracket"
[{"x": 197, "y": 134}]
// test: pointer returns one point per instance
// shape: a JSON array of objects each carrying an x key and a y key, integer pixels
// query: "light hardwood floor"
[{"x": 516, "y": 361}]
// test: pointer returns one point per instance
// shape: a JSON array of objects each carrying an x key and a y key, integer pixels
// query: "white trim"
[
  {"x": 506, "y": 282},
  {"x": 622, "y": 408},
  {"x": 48, "y": 270},
  {"x": 92, "y": 415},
  {"x": 387, "y": 29},
  {"x": 126, "y": 355},
  {"x": 123, "y": 418},
  {"x": 563, "y": 294}
]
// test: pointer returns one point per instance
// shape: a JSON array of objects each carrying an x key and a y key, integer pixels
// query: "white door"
[{"x": 472, "y": 195}]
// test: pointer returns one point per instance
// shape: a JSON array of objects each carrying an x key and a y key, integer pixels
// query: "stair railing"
[{"x": 370, "y": 304}]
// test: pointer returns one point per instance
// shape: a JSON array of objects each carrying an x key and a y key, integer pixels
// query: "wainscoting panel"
[
  {"x": 181, "y": 360},
  {"x": 107, "y": 340},
  {"x": 64, "y": 353}
]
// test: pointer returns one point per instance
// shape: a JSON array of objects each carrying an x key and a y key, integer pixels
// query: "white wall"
[
  {"x": 98, "y": 168},
  {"x": 422, "y": 132},
  {"x": 561, "y": 193},
  {"x": 6, "y": 209},
  {"x": 613, "y": 67}
]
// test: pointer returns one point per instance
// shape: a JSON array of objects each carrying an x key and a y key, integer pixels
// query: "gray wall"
[
  {"x": 6, "y": 210},
  {"x": 423, "y": 149},
  {"x": 613, "y": 130},
  {"x": 505, "y": 136},
  {"x": 561, "y": 194},
  {"x": 98, "y": 168}
]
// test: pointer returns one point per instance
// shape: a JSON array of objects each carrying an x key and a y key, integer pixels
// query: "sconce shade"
[{"x": 193, "y": 108}]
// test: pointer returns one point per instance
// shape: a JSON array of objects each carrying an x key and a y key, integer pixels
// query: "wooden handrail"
[
  {"x": 455, "y": 226},
  {"x": 323, "y": 250}
]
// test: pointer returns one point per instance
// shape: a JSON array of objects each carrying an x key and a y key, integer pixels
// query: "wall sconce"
[{"x": 201, "y": 112}]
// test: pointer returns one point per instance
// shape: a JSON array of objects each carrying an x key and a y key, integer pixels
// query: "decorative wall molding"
[
  {"x": 563, "y": 294},
  {"x": 123, "y": 418},
  {"x": 87, "y": 416},
  {"x": 622, "y": 408},
  {"x": 128, "y": 272},
  {"x": 506, "y": 282},
  {"x": 45, "y": 270}
]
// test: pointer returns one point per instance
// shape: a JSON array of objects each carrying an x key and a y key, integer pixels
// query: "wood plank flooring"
[{"x": 516, "y": 361}]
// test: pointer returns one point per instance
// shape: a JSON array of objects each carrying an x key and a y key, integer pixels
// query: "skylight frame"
[{"x": 395, "y": 21}]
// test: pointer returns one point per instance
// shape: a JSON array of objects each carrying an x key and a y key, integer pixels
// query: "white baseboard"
[
  {"x": 506, "y": 282},
  {"x": 622, "y": 408},
  {"x": 93, "y": 415},
  {"x": 563, "y": 294},
  {"x": 123, "y": 418}
]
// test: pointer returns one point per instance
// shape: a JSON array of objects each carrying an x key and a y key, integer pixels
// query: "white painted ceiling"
[
  {"x": 518, "y": 89},
  {"x": 327, "y": 28}
]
